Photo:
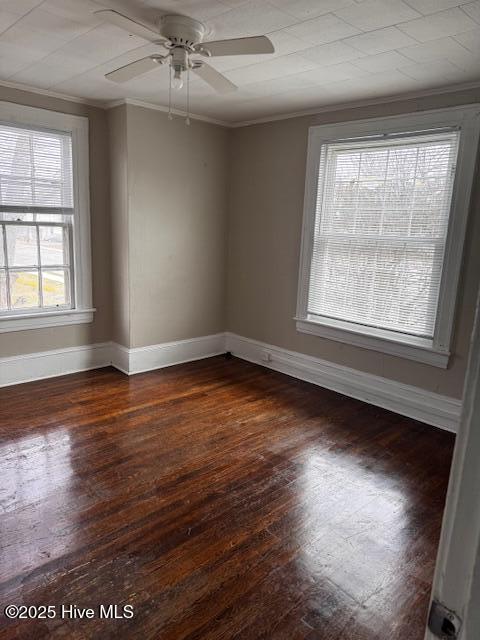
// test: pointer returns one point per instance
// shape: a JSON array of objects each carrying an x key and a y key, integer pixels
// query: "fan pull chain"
[
  {"x": 187, "y": 119},
  {"x": 170, "y": 116}
]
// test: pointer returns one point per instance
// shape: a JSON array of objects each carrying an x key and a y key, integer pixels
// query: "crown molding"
[
  {"x": 355, "y": 104},
  {"x": 51, "y": 94},
  {"x": 299, "y": 114},
  {"x": 163, "y": 109}
]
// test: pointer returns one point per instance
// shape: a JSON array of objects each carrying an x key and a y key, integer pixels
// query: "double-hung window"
[
  {"x": 385, "y": 212},
  {"x": 44, "y": 219}
]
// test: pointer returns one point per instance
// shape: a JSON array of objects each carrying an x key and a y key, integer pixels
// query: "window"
[
  {"x": 44, "y": 219},
  {"x": 385, "y": 213}
]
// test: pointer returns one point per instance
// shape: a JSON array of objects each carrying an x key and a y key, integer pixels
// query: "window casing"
[
  {"x": 386, "y": 205},
  {"x": 45, "y": 264}
]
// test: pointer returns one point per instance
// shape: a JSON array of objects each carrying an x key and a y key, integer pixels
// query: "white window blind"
[
  {"x": 36, "y": 219},
  {"x": 381, "y": 221},
  {"x": 35, "y": 169}
]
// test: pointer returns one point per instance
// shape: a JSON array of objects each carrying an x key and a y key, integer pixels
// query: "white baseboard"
[
  {"x": 432, "y": 408},
  {"x": 58, "y": 362},
  {"x": 120, "y": 357},
  {"x": 156, "y": 356}
]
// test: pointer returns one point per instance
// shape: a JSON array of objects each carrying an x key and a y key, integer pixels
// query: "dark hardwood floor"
[{"x": 221, "y": 500}]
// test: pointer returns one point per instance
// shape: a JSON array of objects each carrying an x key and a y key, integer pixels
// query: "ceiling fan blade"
[
  {"x": 133, "y": 69},
  {"x": 237, "y": 46},
  {"x": 215, "y": 79},
  {"x": 132, "y": 26}
]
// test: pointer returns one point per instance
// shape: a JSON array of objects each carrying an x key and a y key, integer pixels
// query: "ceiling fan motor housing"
[{"x": 182, "y": 31}]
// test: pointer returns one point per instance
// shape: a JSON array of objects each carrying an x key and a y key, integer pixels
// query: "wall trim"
[
  {"x": 413, "y": 402},
  {"x": 356, "y": 104},
  {"x": 157, "y": 356},
  {"x": 328, "y": 108},
  {"x": 417, "y": 349},
  {"x": 19, "y": 86},
  {"x": 164, "y": 109},
  {"x": 26, "y": 321},
  {"x": 353, "y": 104},
  {"x": 57, "y": 362}
]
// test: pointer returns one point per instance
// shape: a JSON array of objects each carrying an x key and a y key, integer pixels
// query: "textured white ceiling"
[{"x": 326, "y": 51}]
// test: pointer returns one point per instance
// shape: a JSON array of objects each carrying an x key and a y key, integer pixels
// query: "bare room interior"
[{"x": 239, "y": 345}]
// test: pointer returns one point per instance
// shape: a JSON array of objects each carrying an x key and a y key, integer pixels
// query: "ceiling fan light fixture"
[{"x": 177, "y": 80}]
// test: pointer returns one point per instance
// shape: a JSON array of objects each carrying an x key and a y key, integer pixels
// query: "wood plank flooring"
[{"x": 219, "y": 499}]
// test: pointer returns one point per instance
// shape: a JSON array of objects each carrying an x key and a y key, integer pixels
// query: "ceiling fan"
[{"x": 182, "y": 37}]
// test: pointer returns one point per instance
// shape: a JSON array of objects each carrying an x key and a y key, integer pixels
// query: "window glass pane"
[
  {"x": 373, "y": 165},
  {"x": 402, "y": 163},
  {"x": 24, "y": 289},
  {"x": 370, "y": 195},
  {"x": 53, "y": 246},
  {"x": 55, "y": 288},
  {"x": 381, "y": 225},
  {"x": 22, "y": 247},
  {"x": 17, "y": 217},
  {"x": 3, "y": 290},
  {"x": 52, "y": 217}
]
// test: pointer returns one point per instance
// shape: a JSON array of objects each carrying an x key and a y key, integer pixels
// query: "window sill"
[
  {"x": 410, "y": 347},
  {"x": 45, "y": 319}
]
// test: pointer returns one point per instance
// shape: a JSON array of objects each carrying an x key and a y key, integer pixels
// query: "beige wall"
[
  {"x": 177, "y": 212},
  {"x": 167, "y": 239},
  {"x": 117, "y": 128},
  {"x": 265, "y": 219},
  {"x": 19, "y": 342},
  {"x": 159, "y": 255}
]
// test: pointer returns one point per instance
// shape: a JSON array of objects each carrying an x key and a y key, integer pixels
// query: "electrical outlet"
[{"x": 443, "y": 623}]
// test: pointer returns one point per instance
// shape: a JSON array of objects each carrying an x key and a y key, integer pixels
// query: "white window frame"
[
  {"x": 77, "y": 126},
  {"x": 434, "y": 351}
]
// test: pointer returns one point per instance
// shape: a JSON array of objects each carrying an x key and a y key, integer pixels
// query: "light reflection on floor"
[
  {"x": 327, "y": 529},
  {"x": 36, "y": 472}
]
